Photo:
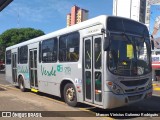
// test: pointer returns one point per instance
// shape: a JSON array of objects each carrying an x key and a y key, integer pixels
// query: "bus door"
[
  {"x": 14, "y": 68},
  {"x": 93, "y": 69},
  {"x": 33, "y": 68}
]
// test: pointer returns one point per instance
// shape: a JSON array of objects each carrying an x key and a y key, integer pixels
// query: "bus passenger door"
[
  {"x": 33, "y": 68},
  {"x": 14, "y": 68},
  {"x": 93, "y": 69}
]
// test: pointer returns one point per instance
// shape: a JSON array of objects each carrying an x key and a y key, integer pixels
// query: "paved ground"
[
  {"x": 2, "y": 78},
  {"x": 12, "y": 99}
]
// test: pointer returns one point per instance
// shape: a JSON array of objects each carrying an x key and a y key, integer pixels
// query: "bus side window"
[
  {"x": 72, "y": 56},
  {"x": 62, "y": 48},
  {"x": 73, "y": 47},
  {"x": 69, "y": 48},
  {"x": 49, "y": 50}
]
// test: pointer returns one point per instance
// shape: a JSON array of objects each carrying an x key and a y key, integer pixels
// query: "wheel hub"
[{"x": 70, "y": 94}]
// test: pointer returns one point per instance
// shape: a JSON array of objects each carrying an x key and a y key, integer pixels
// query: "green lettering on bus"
[{"x": 44, "y": 72}]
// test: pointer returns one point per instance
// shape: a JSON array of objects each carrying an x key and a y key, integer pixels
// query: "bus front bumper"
[{"x": 113, "y": 100}]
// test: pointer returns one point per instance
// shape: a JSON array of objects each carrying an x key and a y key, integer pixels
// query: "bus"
[{"x": 97, "y": 62}]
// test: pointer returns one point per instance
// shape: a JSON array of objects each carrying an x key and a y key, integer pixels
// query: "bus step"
[{"x": 34, "y": 90}]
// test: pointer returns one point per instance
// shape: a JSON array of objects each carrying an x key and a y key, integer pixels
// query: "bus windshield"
[{"x": 129, "y": 55}]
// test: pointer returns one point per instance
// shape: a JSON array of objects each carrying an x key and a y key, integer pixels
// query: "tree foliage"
[{"x": 14, "y": 36}]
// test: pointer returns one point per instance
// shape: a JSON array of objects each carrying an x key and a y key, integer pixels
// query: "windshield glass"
[{"x": 129, "y": 55}]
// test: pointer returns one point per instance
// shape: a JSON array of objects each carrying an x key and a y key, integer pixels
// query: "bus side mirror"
[
  {"x": 106, "y": 44},
  {"x": 152, "y": 42}
]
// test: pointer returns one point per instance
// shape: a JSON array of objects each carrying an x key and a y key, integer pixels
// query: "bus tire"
[
  {"x": 70, "y": 95},
  {"x": 21, "y": 84}
]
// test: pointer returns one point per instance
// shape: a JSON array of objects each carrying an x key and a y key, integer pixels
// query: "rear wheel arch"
[
  {"x": 62, "y": 85},
  {"x": 70, "y": 95},
  {"x": 65, "y": 86}
]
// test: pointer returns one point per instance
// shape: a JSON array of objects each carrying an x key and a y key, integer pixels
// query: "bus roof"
[
  {"x": 94, "y": 21},
  {"x": 88, "y": 23}
]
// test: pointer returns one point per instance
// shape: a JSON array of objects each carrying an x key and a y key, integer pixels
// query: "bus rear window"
[{"x": 8, "y": 57}]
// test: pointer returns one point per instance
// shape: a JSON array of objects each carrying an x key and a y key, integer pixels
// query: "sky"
[
  {"x": 48, "y": 15},
  {"x": 155, "y": 12}
]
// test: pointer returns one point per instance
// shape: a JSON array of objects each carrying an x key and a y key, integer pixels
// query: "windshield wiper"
[{"x": 126, "y": 36}]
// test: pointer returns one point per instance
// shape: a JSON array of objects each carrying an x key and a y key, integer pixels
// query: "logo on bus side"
[
  {"x": 59, "y": 68},
  {"x": 45, "y": 72}
]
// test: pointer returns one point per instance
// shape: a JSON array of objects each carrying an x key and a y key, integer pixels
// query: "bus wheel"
[
  {"x": 70, "y": 96},
  {"x": 21, "y": 84}
]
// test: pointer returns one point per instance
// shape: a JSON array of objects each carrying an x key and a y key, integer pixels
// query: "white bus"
[{"x": 97, "y": 62}]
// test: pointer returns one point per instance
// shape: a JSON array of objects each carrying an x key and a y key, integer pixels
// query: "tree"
[{"x": 16, "y": 35}]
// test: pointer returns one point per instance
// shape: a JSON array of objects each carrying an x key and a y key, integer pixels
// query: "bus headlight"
[{"x": 114, "y": 88}]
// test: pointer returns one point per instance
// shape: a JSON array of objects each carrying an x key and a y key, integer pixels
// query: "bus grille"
[
  {"x": 135, "y": 90},
  {"x": 134, "y": 82},
  {"x": 135, "y": 97}
]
